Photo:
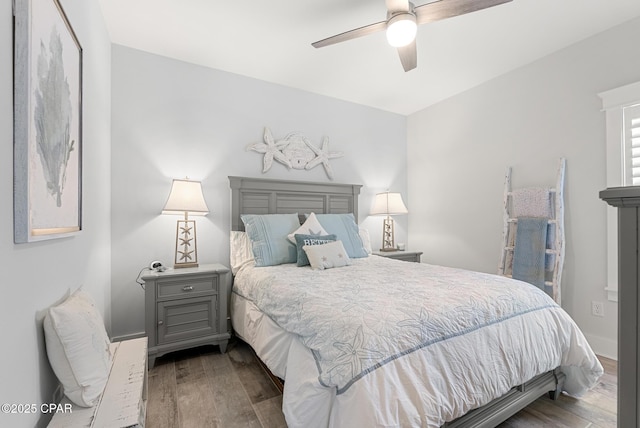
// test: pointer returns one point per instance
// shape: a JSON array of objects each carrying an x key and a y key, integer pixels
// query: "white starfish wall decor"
[
  {"x": 271, "y": 151},
  {"x": 322, "y": 157},
  {"x": 294, "y": 151}
]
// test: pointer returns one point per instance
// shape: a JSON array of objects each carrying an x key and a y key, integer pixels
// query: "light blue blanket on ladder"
[{"x": 529, "y": 251}]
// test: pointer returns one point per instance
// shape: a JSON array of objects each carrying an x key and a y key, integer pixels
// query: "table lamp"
[
  {"x": 186, "y": 199},
  {"x": 388, "y": 204}
]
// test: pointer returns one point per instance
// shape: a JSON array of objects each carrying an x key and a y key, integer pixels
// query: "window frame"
[
  {"x": 614, "y": 102},
  {"x": 631, "y": 115}
]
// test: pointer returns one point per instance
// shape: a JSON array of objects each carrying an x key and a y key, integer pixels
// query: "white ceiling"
[{"x": 271, "y": 41}]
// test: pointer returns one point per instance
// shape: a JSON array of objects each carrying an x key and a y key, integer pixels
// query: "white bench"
[{"x": 124, "y": 400}]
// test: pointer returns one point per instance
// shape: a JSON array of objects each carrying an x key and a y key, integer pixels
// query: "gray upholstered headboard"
[{"x": 267, "y": 196}]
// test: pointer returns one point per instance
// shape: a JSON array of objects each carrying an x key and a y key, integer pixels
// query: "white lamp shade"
[
  {"x": 186, "y": 197},
  {"x": 388, "y": 204},
  {"x": 401, "y": 29}
]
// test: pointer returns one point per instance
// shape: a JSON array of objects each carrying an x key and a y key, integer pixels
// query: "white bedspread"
[{"x": 389, "y": 343}]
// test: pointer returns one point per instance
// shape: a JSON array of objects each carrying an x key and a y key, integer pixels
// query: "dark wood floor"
[
  {"x": 202, "y": 388},
  {"x": 596, "y": 409}
]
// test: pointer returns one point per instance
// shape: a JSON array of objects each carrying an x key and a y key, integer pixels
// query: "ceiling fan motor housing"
[{"x": 401, "y": 29}]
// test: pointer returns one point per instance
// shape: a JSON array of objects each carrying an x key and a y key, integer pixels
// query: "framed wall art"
[{"x": 47, "y": 123}]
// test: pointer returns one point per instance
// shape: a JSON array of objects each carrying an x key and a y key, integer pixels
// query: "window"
[
  {"x": 622, "y": 106},
  {"x": 631, "y": 144}
]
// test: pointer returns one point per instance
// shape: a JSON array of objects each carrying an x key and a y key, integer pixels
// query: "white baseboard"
[
  {"x": 603, "y": 346},
  {"x": 128, "y": 336}
]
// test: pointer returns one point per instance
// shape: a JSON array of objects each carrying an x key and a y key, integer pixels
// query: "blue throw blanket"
[{"x": 529, "y": 251}]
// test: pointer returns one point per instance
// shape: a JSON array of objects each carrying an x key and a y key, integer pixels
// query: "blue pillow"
[
  {"x": 268, "y": 236},
  {"x": 302, "y": 240},
  {"x": 344, "y": 226}
]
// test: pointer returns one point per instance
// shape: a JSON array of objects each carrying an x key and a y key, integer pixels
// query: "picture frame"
[{"x": 47, "y": 123}]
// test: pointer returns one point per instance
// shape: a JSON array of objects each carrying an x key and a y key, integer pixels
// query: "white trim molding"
[
  {"x": 613, "y": 103},
  {"x": 620, "y": 97},
  {"x": 603, "y": 346}
]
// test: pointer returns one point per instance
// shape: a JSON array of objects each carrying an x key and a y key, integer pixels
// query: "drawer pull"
[
  {"x": 187, "y": 288},
  {"x": 160, "y": 322}
]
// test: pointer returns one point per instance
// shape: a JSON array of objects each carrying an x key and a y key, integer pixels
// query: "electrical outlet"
[{"x": 597, "y": 309}]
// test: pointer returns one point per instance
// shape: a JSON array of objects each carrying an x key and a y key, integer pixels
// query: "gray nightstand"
[
  {"x": 407, "y": 256},
  {"x": 186, "y": 308}
]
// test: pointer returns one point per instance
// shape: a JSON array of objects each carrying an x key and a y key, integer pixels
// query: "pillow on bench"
[{"x": 78, "y": 348}]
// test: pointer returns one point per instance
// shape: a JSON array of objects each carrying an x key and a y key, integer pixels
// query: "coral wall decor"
[{"x": 47, "y": 123}]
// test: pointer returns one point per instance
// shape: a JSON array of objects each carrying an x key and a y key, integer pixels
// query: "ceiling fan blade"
[
  {"x": 352, "y": 34},
  {"x": 394, "y": 6},
  {"x": 443, "y": 9},
  {"x": 408, "y": 56}
]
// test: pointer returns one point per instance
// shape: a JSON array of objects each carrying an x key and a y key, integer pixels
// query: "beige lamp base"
[
  {"x": 186, "y": 248},
  {"x": 387, "y": 235}
]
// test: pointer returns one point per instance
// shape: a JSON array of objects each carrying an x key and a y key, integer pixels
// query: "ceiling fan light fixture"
[{"x": 401, "y": 29}]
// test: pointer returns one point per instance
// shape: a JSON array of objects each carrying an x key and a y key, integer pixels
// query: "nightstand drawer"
[
  {"x": 407, "y": 256},
  {"x": 172, "y": 288},
  {"x": 187, "y": 318}
]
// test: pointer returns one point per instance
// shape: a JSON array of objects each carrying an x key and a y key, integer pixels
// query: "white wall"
[
  {"x": 459, "y": 149},
  {"x": 38, "y": 275},
  {"x": 172, "y": 119}
]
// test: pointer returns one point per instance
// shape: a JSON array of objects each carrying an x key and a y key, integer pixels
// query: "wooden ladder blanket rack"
[{"x": 554, "y": 253}]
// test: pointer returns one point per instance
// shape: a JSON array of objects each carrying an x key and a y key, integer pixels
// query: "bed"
[{"x": 386, "y": 343}]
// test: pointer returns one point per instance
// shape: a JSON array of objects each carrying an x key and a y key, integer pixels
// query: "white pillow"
[
  {"x": 241, "y": 252},
  {"x": 366, "y": 239},
  {"x": 327, "y": 256},
  {"x": 78, "y": 348},
  {"x": 311, "y": 226}
]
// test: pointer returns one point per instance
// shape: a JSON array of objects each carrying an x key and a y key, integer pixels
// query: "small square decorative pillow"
[
  {"x": 78, "y": 348},
  {"x": 268, "y": 235},
  {"x": 327, "y": 256},
  {"x": 302, "y": 240},
  {"x": 311, "y": 226}
]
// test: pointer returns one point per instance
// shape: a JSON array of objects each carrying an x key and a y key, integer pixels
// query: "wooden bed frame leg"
[
  {"x": 560, "y": 377},
  {"x": 554, "y": 395}
]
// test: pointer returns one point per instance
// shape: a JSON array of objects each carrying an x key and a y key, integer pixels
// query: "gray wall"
[
  {"x": 38, "y": 275},
  {"x": 459, "y": 149},
  {"x": 172, "y": 119}
]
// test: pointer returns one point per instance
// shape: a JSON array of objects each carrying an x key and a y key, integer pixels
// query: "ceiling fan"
[{"x": 403, "y": 17}]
